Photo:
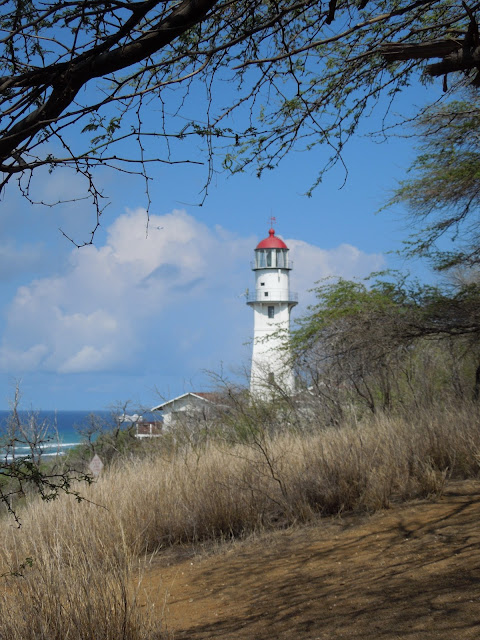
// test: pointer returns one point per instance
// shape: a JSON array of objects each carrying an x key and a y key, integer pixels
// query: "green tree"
[
  {"x": 443, "y": 192},
  {"x": 378, "y": 344},
  {"x": 78, "y": 75}
]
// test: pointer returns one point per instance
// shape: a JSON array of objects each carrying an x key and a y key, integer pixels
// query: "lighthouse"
[{"x": 272, "y": 303}]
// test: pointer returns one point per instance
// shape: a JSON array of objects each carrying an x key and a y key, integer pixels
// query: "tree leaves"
[
  {"x": 305, "y": 72},
  {"x": 443, "y": 194},
  {"x": 373, "y": 342}
]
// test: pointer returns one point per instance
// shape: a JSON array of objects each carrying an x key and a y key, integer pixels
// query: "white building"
[
  {"x": 272, "y": 302},
  {"x": 195, "y": 405}
]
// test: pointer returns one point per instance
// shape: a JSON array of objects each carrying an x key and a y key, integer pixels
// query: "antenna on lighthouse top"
[{"x": 272, "y": 221}]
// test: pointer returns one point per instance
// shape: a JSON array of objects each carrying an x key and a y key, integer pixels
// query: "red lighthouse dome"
[{"x": 272, "y": 242}]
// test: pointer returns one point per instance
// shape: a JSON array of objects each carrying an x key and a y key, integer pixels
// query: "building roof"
[
  {"x": 201, "y": 395},
  {"x": 272, "y": 242},
  {"x": 211, "y": 396}
]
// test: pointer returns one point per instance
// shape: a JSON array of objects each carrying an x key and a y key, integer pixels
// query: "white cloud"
[
  {"x": 22, "y": 360},
  {"x": 104, "y": 308},
  {"x": 87, "y": 359},
  {"x": 313, "y": 264},
  {"x": 171, "y": 294}
]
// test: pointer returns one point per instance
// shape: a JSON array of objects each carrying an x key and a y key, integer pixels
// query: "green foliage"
[
  {"x": 443, "y": 194},
  {"x": 23, "y": 474},
  {"x": 393, "y": 343},
  {"x": 302, "y": 74}
]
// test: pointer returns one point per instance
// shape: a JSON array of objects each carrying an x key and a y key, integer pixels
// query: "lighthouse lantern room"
[{"x": 272, "y": 302}]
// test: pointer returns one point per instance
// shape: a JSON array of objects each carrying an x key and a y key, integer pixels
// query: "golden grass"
[
  {"x": 68, "y": 580},
  {"x": 85, "y": 555}
]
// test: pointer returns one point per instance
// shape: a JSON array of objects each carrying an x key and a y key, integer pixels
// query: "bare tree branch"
[{"x": 82, "y": 76}]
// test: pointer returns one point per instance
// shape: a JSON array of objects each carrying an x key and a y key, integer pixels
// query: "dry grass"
[
  {"x": 85, "y": 555},
  {"x": 67, "y": 581}
]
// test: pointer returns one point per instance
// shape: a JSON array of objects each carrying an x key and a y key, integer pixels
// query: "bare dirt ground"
[{"x": 410, "y": 572}]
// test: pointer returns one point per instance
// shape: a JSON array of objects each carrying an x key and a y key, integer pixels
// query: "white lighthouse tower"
[{"x": 272, "y": 302}]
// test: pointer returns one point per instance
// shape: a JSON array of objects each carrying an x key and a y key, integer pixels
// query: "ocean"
[{"x": 63, "y": 423}]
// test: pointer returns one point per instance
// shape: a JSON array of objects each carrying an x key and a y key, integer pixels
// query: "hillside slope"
[{"x": 410, "y": 572}]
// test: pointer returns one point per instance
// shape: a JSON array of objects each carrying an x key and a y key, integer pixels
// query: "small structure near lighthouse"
[{"x": 272, "y": 303}]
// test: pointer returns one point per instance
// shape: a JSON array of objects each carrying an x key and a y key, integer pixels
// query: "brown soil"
[{"x": 410, "y": 572}]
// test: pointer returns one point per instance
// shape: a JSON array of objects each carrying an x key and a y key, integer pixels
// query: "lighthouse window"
[
  {"x": 280, "y": 258},
  {"x": 271, "y": 312},
  {"x": 261, "y": 260},
  {"x": 269, "y": 258},
  {"x": 266, "y": 294},
  {"x": 262, "y": 284}
]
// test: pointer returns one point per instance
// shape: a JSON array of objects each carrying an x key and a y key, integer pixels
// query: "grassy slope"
[{"x": 85, "y": 556}]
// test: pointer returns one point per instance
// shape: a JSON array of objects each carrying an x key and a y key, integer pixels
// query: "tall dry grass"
[
  {"x": 85, "y": 556},
  {"x": 65, "y": 581}
]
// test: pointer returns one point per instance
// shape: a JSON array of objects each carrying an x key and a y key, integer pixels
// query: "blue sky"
[{"x": 141, "y": 318}]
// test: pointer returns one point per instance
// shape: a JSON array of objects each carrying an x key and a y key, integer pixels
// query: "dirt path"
[{"x": 411, "y": 572}]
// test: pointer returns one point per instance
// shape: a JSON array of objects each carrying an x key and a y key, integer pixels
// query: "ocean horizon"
[{"x": 63, "y": 427}]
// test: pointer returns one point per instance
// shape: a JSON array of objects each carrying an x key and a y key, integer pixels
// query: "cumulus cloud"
[
  {"x": 98, "y": 314},
  {"x": 313, "y": 264},
  {"x": 149, "y": 296}
]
